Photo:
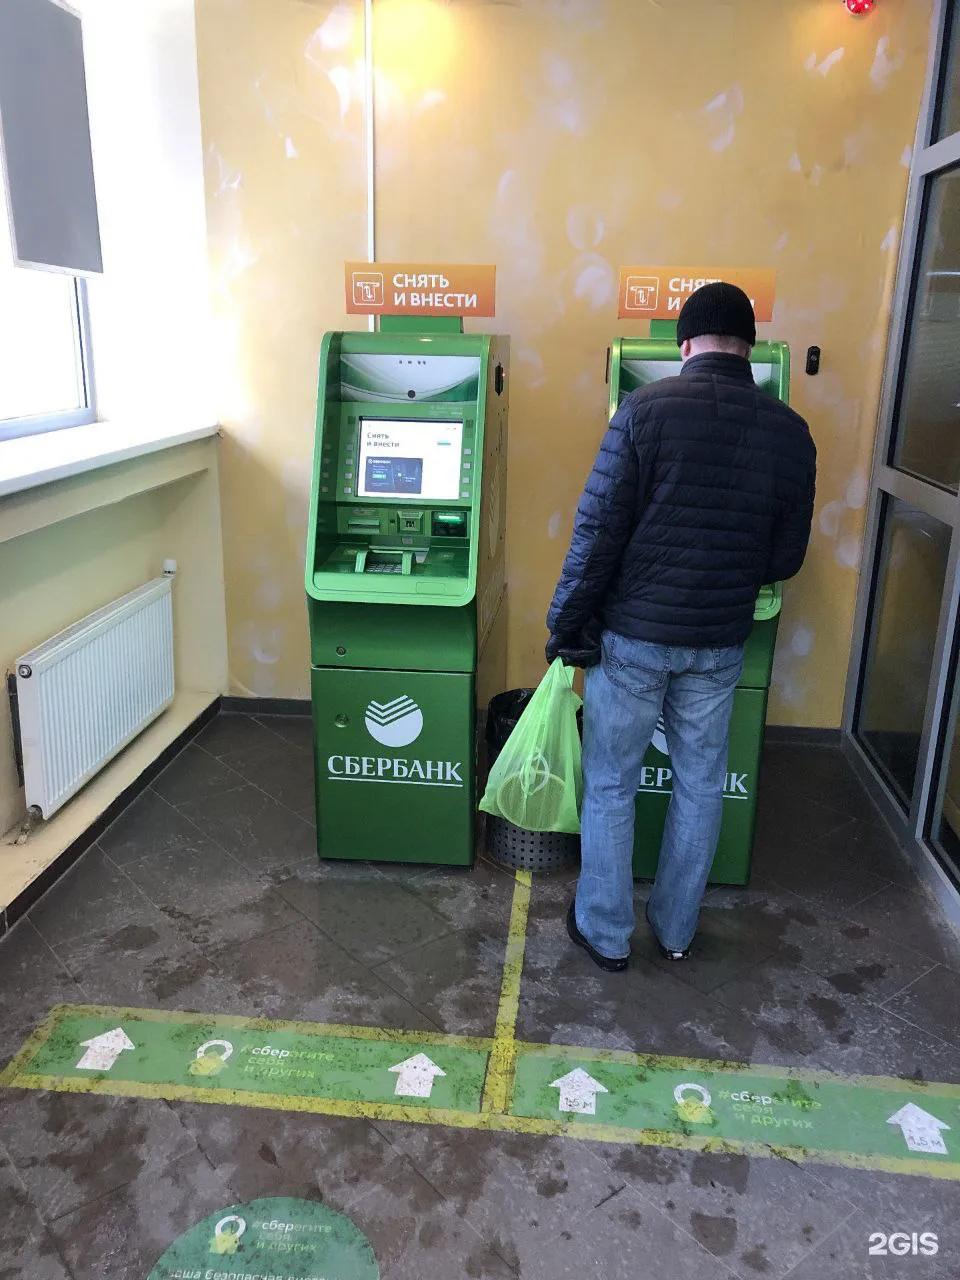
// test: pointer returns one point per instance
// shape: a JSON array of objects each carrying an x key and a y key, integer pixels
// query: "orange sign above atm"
[
  {"x": 658, "y": 293},
  {"x": 420, "y": 289}
]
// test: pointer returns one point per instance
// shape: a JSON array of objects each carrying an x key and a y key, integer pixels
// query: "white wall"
[{"x": 151, "y": 307}]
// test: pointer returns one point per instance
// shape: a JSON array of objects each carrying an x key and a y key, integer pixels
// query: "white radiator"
[{"x": 84, "y": 694}]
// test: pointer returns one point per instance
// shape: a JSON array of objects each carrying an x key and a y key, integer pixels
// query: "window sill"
[{"x": 54, "y": 455}]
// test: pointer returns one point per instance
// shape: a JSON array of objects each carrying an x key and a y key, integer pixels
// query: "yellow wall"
[{"x": 557, "y": 138}]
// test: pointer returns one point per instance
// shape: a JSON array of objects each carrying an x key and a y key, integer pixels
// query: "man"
[{"x": 702, "y": 492}]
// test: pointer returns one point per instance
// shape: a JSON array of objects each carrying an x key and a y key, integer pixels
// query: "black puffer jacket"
[{"x": 702, "y": 492}]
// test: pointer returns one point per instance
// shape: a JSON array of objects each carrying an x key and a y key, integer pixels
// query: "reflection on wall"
[{"x": 557, "y": 138}]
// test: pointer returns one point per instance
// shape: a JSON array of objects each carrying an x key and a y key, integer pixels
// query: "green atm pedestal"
[
  {"x": 635, "y": 362},
  {"x": 405, "y": 586}
]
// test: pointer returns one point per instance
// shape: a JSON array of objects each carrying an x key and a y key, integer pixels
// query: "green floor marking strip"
[
  {"x": 871, "y": 1122},
  {"x": 798, "y": 1112},
  {"x": 224, "y": 1059}
]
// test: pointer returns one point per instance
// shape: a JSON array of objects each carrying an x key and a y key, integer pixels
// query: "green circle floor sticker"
[{"x": 277, "y": 1239}]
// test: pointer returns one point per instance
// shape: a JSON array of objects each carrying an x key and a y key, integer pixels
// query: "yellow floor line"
[
  {"x": 224, "y": 1021},
  {"x": 498, "y": 1086}
]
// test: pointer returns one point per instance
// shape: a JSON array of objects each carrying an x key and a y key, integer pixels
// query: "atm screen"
[{"x": 402, "y": 458}]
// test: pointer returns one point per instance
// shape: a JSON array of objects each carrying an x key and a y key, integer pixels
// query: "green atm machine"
[
  {"x": 405, "y": 585},
  {"x": 634, "y": 363}
]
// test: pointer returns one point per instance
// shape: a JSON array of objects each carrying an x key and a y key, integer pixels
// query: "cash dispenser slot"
[
  {"x": 363, "y": 525},
  {"x": 383, "y": 560}
]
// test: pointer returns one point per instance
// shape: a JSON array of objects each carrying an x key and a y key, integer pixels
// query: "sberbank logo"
[
  {"x": 660, "y": 780},
  {"x": 394, "y": 724}
]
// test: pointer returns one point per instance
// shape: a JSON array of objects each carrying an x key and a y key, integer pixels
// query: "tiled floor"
[{"x": 207, "y": 895}]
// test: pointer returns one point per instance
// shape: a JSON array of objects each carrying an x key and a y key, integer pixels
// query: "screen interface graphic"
[{"x": 401, "y": 458}]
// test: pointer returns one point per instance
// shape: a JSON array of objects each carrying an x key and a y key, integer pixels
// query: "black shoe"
[
  {"x": 608, "y": 963},
  {"x": 665, "y": 951}
]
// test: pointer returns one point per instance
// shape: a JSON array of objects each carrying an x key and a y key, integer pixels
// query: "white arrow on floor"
[
  {"x": 103, "y": 1051},
  {"x": 578, "y": 1092},
  {"x": 415, "y": 1076},
  {"x": 921, "y": 1130}
]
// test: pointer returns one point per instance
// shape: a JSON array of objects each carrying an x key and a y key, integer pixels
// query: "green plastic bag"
[{"x": 537, "y": 780}]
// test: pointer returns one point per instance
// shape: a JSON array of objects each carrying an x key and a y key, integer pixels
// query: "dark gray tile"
[
  {"x": 870, "y": 846},
  {"x": 816, "y": 873},
  {"x": 145, "y": 965},
  {"x": 855, "y": 965},
  {"x": 370, "y": 916},
  {"x": 845, "y": 1255},
  {"x": 297, "y": 730},
  {"x": 93, "y": 896},
  {"x": 780, "y": 816},
  {"x": 544, "y": 1018},
  {"x": 932, "y": 1002},
  {"x": 417, "y": 1234},
  {"x": 254, "y": 828},
  {"x": 646, "y": 1008},
  {"x": 853, "y": 959},
  {"x": 738, "y": 1208},
  {"x": 892, "y": 1198},
  {"x": 823, "y": 1027},
  {"x": 149, "y": 828},
  {"x": 268, "y": 1153},
  {"x": 727, "y": 943},
  {"x": 70, "y": 1149},
  {"x": 516, "y": 1188},
  {"x": 481, "y": 895},
  {"x": 623, "y": 1239},
  {"x": 233, "y": 732},
  {"x": 551, "y": 895},
  {"x": 821, "y": 774},
  {"x": 281, "y": 770},
  {"x": 733, "y": 935},
  {"x": 299, "y": 973},
  {"x": 455, "y": 981},
  {"x": 212, "y": 898},
  {"x": 124, "y": 1233},
  {"x": 32, "y": 981},
  {"x": 912, "y": 920},
  {"x": 27, "y": 1252},
  {"x": 195, "y": 775}
]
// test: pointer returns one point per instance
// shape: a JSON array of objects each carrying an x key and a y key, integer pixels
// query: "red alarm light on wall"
[{"x": 859, "y": 7}]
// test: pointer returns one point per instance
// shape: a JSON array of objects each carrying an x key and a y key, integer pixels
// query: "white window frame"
[{"x": 35, "y": 424}]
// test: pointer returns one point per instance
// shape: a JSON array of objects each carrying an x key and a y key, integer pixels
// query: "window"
[
  {"x": 912, "y": 570},
  {"x": 45, "y": 378},
  {"x": 46, "y": 175},
  {"x": 928, "y": 411}
]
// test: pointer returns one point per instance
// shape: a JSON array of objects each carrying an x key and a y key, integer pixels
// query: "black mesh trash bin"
[{"x": 512, "y": 846}]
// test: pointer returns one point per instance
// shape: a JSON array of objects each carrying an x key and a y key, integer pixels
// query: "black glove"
[{"x": 581, "y": 650}]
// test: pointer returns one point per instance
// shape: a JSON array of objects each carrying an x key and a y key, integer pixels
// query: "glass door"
[{"x": 902, "y": 717}]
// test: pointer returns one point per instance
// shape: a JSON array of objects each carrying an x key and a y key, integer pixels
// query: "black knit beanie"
[{"x": 717, "y": 308}]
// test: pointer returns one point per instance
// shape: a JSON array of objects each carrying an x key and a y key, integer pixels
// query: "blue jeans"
[{"x": 625, "y": 696}]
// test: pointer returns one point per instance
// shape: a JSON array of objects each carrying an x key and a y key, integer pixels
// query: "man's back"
[{"x": 702, "y": 492}]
